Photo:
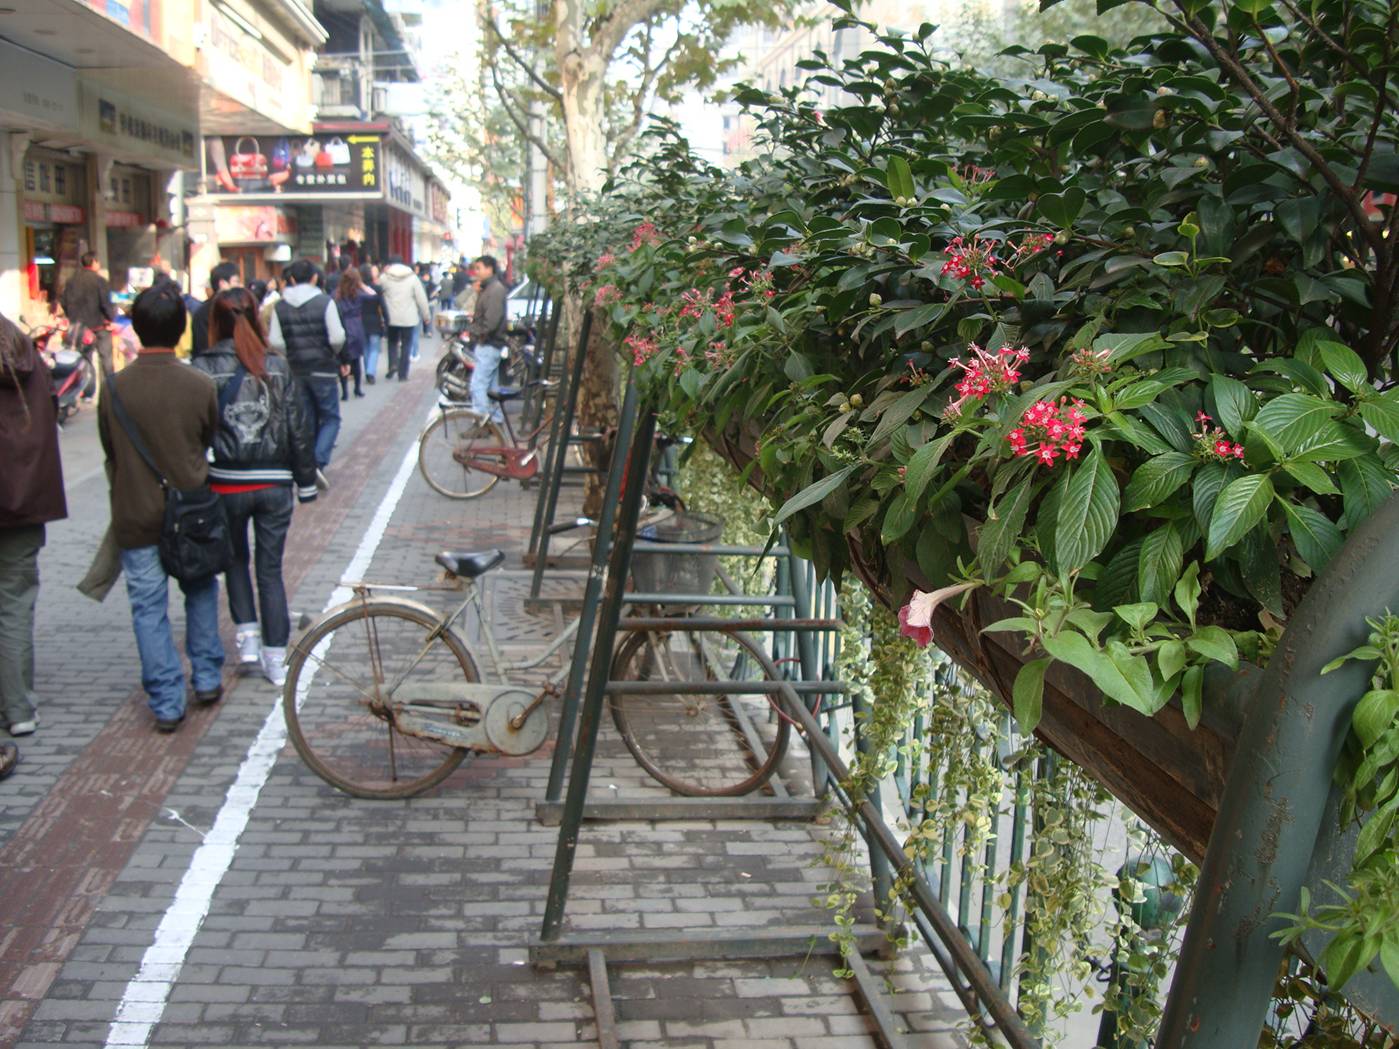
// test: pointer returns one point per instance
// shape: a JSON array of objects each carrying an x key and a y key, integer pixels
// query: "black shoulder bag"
[{"x": 194, "y": 539}]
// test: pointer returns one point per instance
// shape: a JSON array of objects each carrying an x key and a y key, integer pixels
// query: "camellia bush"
[{"x": 1113, "y": 340}]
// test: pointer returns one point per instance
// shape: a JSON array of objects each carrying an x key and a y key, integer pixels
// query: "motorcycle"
[{"x": 67, "y": 350}]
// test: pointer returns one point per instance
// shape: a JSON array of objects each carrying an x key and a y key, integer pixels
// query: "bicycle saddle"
[
  {"x": 501, "y": 394},
  {"x": 470, "y": 564}
]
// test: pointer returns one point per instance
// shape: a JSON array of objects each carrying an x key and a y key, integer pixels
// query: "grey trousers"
[{"x": 19, "y": 591}]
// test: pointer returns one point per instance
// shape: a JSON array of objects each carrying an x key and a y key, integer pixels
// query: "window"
[
  {"x": 44, "y": 177},
  {"x": 60, "y": 179},
  {"x": 29, "y": 176}
]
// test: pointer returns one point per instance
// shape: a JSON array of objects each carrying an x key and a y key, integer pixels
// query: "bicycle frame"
[{"x": 513, "y": 461}]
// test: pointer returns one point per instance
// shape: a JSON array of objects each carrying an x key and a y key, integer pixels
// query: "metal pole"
[
  {"x": 592, "y": 592},
  {"x": 581, "y": 772},
  {"x": 558, "y": 455},
  {"x": 1277, "y": 796},
  {"x": 806, "y": 652}
]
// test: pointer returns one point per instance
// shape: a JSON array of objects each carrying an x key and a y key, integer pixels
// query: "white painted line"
[{"x": 143, "y": 1001}]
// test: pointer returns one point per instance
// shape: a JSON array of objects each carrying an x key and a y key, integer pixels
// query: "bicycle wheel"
[
  {"x": 345, "y": 681},
  {"x": 448, "y": 440},
  {"x": 698, "y": 745}
]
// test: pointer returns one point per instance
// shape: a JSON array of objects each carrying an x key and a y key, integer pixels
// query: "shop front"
[
  {"x": 258, "y": 238},
  {"x": 55, "y": 230}
]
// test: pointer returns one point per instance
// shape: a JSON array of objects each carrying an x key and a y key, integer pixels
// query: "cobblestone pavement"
[{"x": 198, "y": 897}]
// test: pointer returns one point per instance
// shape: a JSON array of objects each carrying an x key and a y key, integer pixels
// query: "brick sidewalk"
[{"x": 356, "y": 923}]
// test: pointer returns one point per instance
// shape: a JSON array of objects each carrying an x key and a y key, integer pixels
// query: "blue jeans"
[
  {"x": 147, "y": 587},
  {"x": 321, "y": 395},
  {"x": 371, "y": 353},
  {"x": 268, "y": 510},
  {"x": 483, "y": 381}
]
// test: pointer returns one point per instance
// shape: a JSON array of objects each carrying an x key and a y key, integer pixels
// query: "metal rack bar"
[{"x": 565, "y": 409}]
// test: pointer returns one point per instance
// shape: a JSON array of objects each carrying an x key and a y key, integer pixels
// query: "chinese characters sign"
[{"x": 294, "y": 166}]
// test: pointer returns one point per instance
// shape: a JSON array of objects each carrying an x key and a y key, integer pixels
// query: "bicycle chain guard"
[{"x": 503, "y": 736}]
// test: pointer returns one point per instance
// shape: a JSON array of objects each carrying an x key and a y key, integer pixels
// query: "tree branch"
[
  {"x": 650, "y": 73},
  {"x": 609, "y": 31},
  {"x": 543, "y": 85},
  {"x": 1201, "y": 32},
  {"x": 520, "y": 124}
]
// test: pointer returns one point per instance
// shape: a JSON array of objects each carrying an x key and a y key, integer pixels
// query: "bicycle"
[
  {"x": 462, "y": 454},
  {"x": 384, "y": 699}
]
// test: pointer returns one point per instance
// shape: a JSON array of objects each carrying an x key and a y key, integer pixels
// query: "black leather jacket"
[{"x": 265, "y": 435}]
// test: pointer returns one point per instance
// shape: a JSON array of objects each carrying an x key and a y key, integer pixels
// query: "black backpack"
[{"x": 194, "y": 539}]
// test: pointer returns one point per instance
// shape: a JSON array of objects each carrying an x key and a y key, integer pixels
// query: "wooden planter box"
[{"x": 1170, "y": 776}]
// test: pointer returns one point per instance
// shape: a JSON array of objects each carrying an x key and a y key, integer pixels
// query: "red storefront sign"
[
  {"x": 59, "y": 214},
  {"x": 125, "y": 220}
]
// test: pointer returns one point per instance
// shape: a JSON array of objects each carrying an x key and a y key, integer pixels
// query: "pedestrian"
[
  {"x": 429, "y": 290},
  {"x": 488, "y": 324},
  {"x": 31, "y": 495},
  {"x": 375, "y": 320},
  {"x": 333, "y": 269},
  {"x": 223, "y": 276},
  {"x": 173, "y": 410},
  {"x": 270, "y": 298},
  {"x": 407, "y": 307},
  {"x": 306, "y": 327},
  {"x": 264, "y": 447},
  {"x": 352, "y": 300},
  {"x": 87, "y": 303}
]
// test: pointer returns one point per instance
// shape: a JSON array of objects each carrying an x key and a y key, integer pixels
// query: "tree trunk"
[{"x": 597, "y": 411}]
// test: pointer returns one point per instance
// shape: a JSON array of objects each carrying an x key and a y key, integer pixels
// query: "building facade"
[{"x": 102, "y": 107}]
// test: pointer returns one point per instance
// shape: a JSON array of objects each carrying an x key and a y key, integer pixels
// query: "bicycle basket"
[{"x": 660, "y": 572}]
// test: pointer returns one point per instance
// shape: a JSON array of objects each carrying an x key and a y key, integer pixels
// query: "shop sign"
[
  {"x": 239, "y": 224},
  {"x": 406, "y": 184},
  {"x": 60, "y": 214},
  {"x": 320, "y": 165},
  {"x": 66, "y": 214},
  {"x": 125, "y": 220},
  {"x": 35, "y": 87},
  {"x": 135, "y": 130}
]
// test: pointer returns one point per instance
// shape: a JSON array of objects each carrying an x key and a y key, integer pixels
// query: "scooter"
[{"x": 68, "y": 352}]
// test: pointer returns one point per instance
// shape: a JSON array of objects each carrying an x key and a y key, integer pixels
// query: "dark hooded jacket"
[
  {"x": 265, "y": 435},
  {"x": 31, "y": 472}
]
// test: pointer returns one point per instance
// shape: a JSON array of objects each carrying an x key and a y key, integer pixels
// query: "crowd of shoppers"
[{"x": 253, "y": 413}]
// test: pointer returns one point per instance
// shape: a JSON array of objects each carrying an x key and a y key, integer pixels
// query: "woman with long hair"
[
  {"x": 374, "y": 318},
  {"x": 352, "y": 300},
  {"x": 264, "y": 447}
]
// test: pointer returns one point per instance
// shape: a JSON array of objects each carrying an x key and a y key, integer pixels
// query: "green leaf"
[
  {"x": 1295, "y": 419},
  {"x": 898, "y": 519},
  {"x": 1077, "y": 651},
  {"x": 920, "y": 468},
  {"x": 1015, "y": 624},
  {"x": 1192, "y": 695},
  {"x": 1382, "y": 413},
  {"x": 1170, "y": 657},
  {"x": 1028, "y": 694},
  {"x": 1343, "y": 957},
  {"x": 1060, "y": 209},
  {"x": 1214, "y": 642},
  {"x": 812, "y": 494},
  {"x": 898, "y": 177},
  {"x": 1375, "y": 834},
  {"x": 1003, "y": 527},
  {"x": 1316, "y": 537},
  {"x": 1156, "y": 479},
  {"x": 1240, "y": 506},
  {"x": 1374, "y": 715},
  {"x": 1138, "y": 614},
  {"x": 1344, "y": 365},
  {"x": 918, "y": 317},
  {"x": 899, "y": 413},
  {"x": 1313, "y": 476},
  {"x": 1187, "y": 591},
  {"x": 1087, "y": 513},
  {"x": 1159, "y": 564},
  {"x": 1365, "y": 485},
  {"x": 1235, "y": 403},
  {"x": 1172, "y": 258}
]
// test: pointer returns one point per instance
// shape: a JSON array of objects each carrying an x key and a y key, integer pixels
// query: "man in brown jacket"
[
  {"x": 87, "y": 300},
  {"x": 174, "y": 409},
  {"x": 31, "y": 495}
]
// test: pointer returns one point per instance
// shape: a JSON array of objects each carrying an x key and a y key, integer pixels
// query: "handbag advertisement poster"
[{"x": 294, "y": 165}]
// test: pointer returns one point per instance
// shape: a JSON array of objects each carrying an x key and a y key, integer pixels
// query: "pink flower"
[
  {"x": 916, "y": 618},
  {"x": 737, "y": 271},
  {"x": 1238, "y": 451},
  {"x": 1201, "y": 417}
]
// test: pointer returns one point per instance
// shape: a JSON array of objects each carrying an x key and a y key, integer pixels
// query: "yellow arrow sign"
[{"x": 364, "y": 138}]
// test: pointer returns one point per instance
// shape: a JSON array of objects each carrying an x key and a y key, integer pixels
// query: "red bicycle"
[{"x": 464, "y": 454}]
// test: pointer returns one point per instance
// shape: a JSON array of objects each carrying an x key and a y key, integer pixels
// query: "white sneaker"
[
  {"x": 249, "y": 643},
  {"x": 24, "y": 728},
  {"x": 274, "y": 665},
  {"x": 322, "y": 485}
]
